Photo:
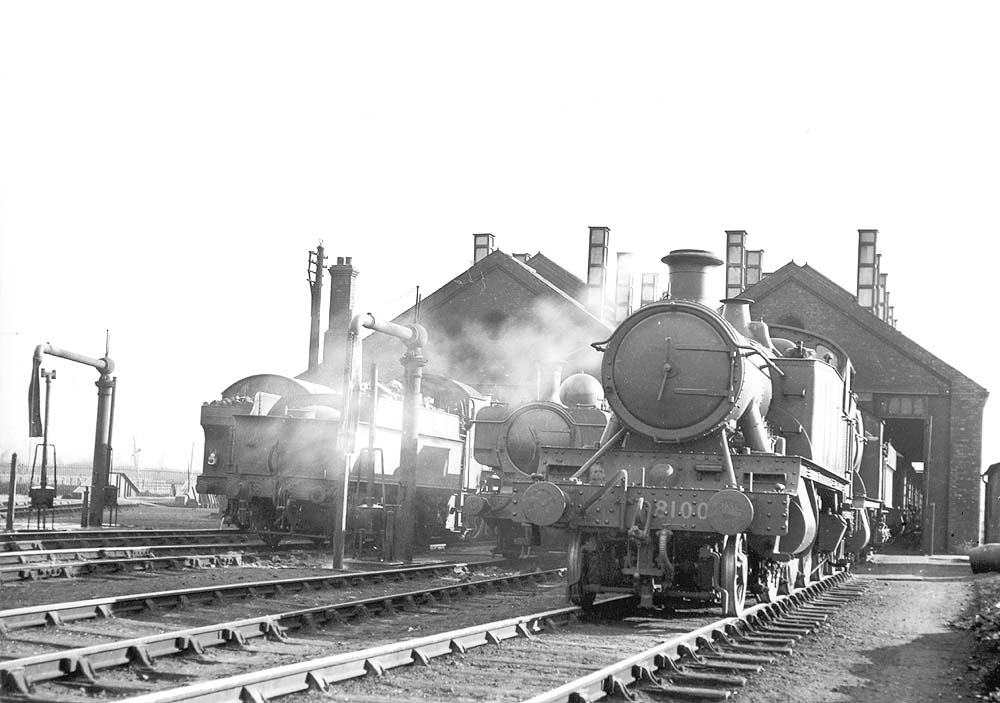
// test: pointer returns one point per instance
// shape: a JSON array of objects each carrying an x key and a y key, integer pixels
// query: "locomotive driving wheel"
[{"x": 733, "y": 575}]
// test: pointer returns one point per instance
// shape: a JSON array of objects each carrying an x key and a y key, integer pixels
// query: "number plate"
[{"x": 671, "y": 510}]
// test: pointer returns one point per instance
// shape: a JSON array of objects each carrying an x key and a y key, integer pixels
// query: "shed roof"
[{"x": 546, "y": 279}]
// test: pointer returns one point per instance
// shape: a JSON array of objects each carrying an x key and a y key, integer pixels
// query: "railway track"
[
  {"x": 23, "y": 511},
  {"x": 698, "y": 658},
  {"x": 62, "y": 563},
  {"x": 79, "y": 666},
  {"x": 56, "y": 614},
  {"x": 41, "y": 555},
  {"x": 83, "y": 539}
]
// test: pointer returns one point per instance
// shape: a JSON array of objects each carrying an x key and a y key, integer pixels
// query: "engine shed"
[{"x": 921, "y": 414}]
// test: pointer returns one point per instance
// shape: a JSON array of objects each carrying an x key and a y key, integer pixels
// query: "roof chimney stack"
[
  {"x": 754, "y": 259},
  {"x": 867, "y": 268},
  {"x": 873, "y": 291},
  {"x": 736, "y": 275},
  {"x": 883, "y": 294},
  {"x": 623, "y": 286},
  {"x": 482, "y": 247},
  {"x": 597, "y": 270},
  {"x": 649, "y": 288}
]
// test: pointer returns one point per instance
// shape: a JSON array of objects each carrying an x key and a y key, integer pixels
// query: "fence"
[{"x": 148, "y": 483}]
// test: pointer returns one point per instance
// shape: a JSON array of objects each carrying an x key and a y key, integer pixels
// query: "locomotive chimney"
[
  {"x": 548, "y": 382},
  {"x": 342, "y": 275},
  {"x": 689, "y": 270},
  {"x": 737, "y": 313}
]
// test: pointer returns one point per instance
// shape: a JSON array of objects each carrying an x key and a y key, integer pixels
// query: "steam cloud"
[{"x": 501, "y": 352}]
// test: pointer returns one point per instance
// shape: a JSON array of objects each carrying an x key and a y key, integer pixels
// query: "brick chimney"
[
  {"x": 482, "y": 247},
  {"x": 342, "y": 275},
  {"x": 597, "y": 270}
]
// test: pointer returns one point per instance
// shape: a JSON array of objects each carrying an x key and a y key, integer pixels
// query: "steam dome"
[{"x": 581, "y": 389}]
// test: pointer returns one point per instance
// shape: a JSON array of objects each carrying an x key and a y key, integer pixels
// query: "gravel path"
[{"x": 893, "y": 644}]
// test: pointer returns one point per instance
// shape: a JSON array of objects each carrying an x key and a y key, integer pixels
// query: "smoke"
[{"x": 500, "y": 351}]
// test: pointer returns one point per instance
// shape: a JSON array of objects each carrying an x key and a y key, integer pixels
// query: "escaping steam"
[{"x": 502, "y": 353}]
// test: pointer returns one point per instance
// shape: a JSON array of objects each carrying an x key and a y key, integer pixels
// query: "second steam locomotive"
[{"x": 727, "y": 468}]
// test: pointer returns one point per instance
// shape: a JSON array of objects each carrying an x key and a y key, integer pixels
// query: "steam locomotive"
[
  {"x": 728, "y": 466},
  {"x": 509, "y": 439},
  {"x": 271, "y": 451}
]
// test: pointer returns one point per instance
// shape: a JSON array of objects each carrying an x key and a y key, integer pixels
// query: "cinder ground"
[{"x": 896, "y": 643}]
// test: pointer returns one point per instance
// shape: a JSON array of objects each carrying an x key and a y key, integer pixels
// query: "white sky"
[{"x": 166, "y": 167}]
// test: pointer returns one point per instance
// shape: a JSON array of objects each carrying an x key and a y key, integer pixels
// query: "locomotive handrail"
[
  {"x": 598, "y": 454},
  {"x": 727, "y": 459},
  {"x": 620, "y": 477},
  {"x": 754, "y": 350},
  {"x": 601, "y": 346}
]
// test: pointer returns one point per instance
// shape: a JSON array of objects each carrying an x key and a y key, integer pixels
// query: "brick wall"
[{"x": 966, "y": 486}]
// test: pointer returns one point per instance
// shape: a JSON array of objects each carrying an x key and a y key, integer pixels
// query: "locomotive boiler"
[{"x": 727, "y": 466}]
